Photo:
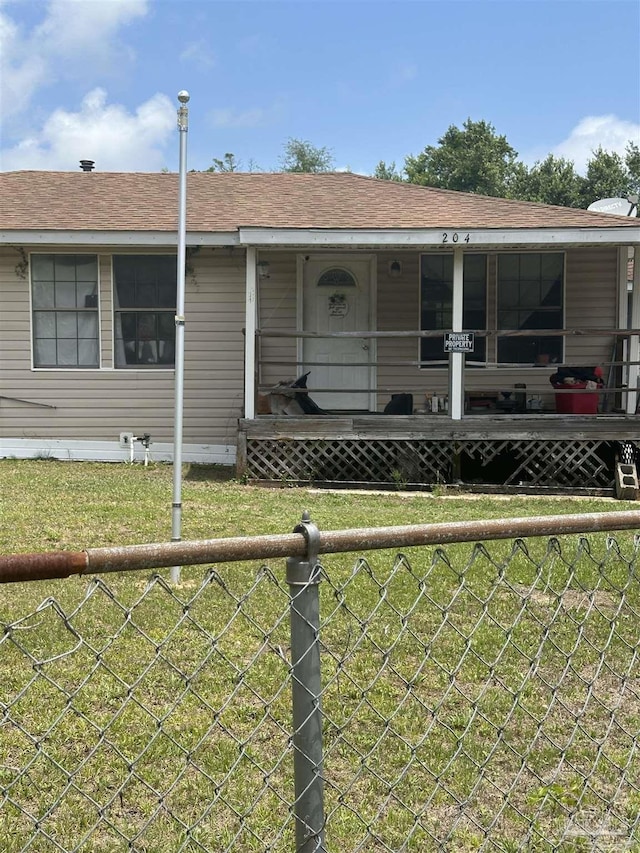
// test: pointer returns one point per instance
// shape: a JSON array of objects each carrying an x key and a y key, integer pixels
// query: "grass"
[{"x": 474, "y": 698}]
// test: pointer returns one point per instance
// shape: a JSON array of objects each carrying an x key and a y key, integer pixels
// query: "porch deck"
[{"x": 547, "y": 452}]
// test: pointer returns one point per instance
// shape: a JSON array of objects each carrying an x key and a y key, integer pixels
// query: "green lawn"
[{"x": 474, "y": 698}]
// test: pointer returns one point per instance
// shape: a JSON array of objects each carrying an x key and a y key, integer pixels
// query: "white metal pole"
[{"x": 176, "y": 506}]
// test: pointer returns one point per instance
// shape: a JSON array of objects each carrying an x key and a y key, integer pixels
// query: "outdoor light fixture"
[
  {"x": 263, "y": 269},
  {"x": 395, "y": 269}
]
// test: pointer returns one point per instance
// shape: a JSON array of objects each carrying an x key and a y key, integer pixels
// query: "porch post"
[
  {"x": 634, "y": 340},
  {"x": 456, "y": 359},
  {"x": 250, "y": 336}
]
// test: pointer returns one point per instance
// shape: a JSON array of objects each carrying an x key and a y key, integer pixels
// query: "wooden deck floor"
[{"x": 609, "y": 427}]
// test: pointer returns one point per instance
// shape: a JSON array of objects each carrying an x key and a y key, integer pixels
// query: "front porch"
[
  {"x": 551, "y": 453},
  {"x": 475, "y": 335}
]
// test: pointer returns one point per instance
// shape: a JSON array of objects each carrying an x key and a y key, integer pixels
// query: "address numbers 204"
[{"x": 454, "y": 237}]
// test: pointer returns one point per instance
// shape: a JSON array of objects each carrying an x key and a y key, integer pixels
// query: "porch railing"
[{"x": 619, "y": 372}]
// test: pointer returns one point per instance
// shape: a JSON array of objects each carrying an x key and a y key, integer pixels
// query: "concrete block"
[{"x": 626, "y": 482}]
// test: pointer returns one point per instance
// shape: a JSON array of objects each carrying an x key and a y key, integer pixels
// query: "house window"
[
  {"x": 64, "y": 300},
  {"x": 144, "y": 310},
  {"x": 336, "y": 277},
  {"x": 436, "y": 303},
  {"x": 530, "y": 296}
]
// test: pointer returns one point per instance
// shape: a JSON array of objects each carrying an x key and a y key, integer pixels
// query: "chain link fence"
[{"x": 478, "y": 697}]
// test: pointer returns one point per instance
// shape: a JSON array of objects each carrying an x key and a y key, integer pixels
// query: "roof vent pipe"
[{"x": 87, "y": 165}]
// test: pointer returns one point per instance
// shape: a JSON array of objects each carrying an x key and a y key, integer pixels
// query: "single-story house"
[{"x": 476, "y": 323}]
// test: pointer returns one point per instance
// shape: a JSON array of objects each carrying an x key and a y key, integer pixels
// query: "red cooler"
[{"x": 570, "y": 403}]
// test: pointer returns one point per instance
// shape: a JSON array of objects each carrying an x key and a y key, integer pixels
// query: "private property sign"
[{"x": 458, "y": 342}]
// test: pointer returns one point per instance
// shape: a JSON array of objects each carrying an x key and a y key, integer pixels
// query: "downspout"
[
  {"x": 456, "y": 359},
  {"x": 250, "y": 336}
]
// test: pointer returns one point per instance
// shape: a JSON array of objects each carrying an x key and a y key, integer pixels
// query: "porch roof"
[{"x": 279, "y": 208}]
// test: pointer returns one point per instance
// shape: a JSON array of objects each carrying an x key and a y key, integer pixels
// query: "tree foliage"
[
  {"x": 552, "y": 181},
  {"x": 387, "y": 171},
  {"x": 632, "y": 159},
  {"x": 609, "y": 175},
  {"x": 474, "y": 160},
  {"x": 228, "y": 163},
  {"x": 301, "y": 156}
]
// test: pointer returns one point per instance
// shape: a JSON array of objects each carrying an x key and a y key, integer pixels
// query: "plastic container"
[{"x": 568, "y": 403}]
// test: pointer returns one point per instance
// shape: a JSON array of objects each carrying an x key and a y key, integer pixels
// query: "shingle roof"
[{"x": 223, "y": 202}]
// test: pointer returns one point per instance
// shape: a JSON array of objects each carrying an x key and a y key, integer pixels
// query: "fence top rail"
[{"x": 61, "y": 564}]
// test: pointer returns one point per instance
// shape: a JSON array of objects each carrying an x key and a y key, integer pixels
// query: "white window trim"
[
  {"x": 59, "y": 368},
  {"x": 545, "y": 251},
  {"x": 488, "y": 364},
  {"x": 133, "y": 368}
]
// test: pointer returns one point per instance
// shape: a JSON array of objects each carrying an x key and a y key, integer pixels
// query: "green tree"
[
  {"x": 554, "y": 180},
  {"x": 229, "y": 163},
  {"x": 387, "y": 172},
  {"x": 475, "y": 159},
  {"x": 607, "y": 176},
  {"x": 632, "y": 160},
  {"x": 301, "y": 156}
]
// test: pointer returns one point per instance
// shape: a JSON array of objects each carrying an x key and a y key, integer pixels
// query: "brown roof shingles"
[{"x": 223, "y": 202}]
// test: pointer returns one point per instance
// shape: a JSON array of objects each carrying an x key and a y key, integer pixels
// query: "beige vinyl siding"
[
  {"x": 277, "y": 311},
  {"x": 99, "y": 404},
  {"x": 15, "y": 344},
  {"x": 398, "y": 302},
  {"x": 214, "y": 346},
  {"x": 591, "y": 300}
]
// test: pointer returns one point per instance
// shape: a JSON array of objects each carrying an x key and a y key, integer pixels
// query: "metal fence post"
[{"x": 303, "y": 577}]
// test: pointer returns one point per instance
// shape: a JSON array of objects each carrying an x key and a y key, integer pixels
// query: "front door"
[{"x": 336, "y": 298}]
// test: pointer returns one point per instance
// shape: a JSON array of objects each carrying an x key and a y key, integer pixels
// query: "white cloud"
[
  {"x": 78, "y": 25},
  {"x": 118, "y": 140},
  {"x": 199, "y": 53},
  {"x": 21, "y": 71},
  {"x": 72, "y": 32},
  {"x": 238, "y": 118},
  {"x": 592, "y": 132}
]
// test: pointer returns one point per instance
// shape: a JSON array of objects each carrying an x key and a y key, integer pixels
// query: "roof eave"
[
  {"x": 158, "y": 239},
  {"x": 397, "y": 238},
  {"x": 438, "y": 238}
]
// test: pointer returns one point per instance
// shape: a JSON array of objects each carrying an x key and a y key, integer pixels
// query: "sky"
[{"x": 369, "y": 80}]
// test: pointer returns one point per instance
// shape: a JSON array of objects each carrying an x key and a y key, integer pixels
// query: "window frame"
[
  {"x": 141, "y": 310},
  {"x": 54, "y": 309},
  {"x": 559, "y": 358},
  {"x": 470, "y": 360}
]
